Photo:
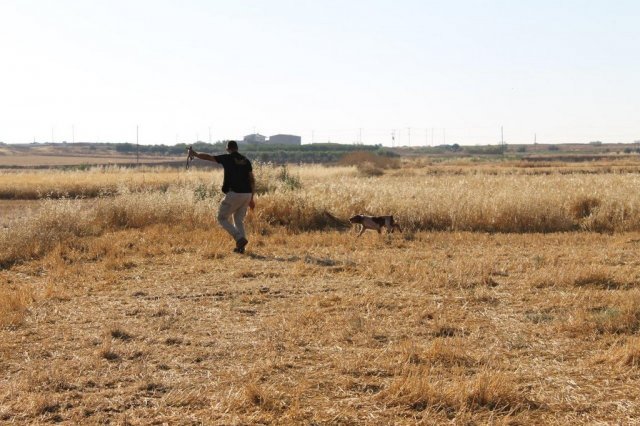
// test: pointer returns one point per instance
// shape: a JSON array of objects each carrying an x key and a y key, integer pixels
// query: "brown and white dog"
[{"x": 375, "y": 222}]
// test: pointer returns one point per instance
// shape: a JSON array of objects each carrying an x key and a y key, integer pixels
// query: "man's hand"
[{"x": 190, "y": 154}]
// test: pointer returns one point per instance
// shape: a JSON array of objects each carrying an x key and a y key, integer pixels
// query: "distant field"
[
  {"x": 82, "y": 153},
  {"x": 71, "y": 160},
  {"x": 56, "y": 155}
]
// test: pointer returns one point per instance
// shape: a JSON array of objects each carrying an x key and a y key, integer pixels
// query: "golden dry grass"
[
  {"x": 131, "y": 308},
  {"x": 74, "y": 159},
  {"x": 98, "y": 181},
  {"x": 321, "y": 327},
  {"x": 486, "y": 198}
]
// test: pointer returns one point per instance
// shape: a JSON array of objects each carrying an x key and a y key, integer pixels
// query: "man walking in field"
[{"x": 239, "y": 187}]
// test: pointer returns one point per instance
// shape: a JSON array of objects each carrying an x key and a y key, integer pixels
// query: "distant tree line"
[{"x": 310, "y": 153}]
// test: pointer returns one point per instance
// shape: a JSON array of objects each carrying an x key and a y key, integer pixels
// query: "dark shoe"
[
  {"x": 238, "y": 250},
  {"x": 241, "y": 243}
]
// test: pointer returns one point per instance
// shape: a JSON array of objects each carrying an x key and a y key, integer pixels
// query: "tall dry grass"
[
  {"x": 62, "y": 220},
  {"x": 484, "y": 203},
  {"x": 370, "y": 164},
  {"x": 306, "y": 198},
  {"x": 113, "y": 180},
  {"x": 95, "y": 182}
]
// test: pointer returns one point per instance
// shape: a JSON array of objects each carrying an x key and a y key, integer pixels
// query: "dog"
[{"x": 375, "y": 222}]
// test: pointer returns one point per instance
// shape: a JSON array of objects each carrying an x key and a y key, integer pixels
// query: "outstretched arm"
[{"x": 202, "y": 156}]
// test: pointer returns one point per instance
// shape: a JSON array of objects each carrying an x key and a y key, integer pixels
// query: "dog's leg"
[
  {"x": 388, "y": 224},
  {"x": 392, "y": 224}
]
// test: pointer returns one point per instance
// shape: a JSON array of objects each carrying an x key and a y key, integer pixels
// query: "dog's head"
[{"x": 356, "y": 219}]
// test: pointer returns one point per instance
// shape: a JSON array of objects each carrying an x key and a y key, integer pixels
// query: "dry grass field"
[
  {"x": 71, "y": 160},
  {"x": 57, "y": 155},
  {"x": 512, "y": 297}
]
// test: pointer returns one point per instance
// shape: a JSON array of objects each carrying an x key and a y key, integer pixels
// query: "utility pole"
[
  {"x": 535, "y": 138},
  {"x": 393, "y": 138},
  {"x": 137, "y": 147}
]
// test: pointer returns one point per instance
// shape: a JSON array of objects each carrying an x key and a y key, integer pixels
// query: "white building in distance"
[
  {"x": 254, "y": 138},
  {"x": 285, "y": 140},
  {"x": 257, "y": 138}
]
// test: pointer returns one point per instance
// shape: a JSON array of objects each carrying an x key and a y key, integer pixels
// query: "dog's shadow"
[
  {"x": 256, "y": 256},
  {"x": 319, "y": 261}
]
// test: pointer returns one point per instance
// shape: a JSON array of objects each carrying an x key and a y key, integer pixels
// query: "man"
[{"x": 239, "y": 187}]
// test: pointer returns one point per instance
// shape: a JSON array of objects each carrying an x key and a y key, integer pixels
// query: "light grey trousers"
[{"x": 234, "y": 206}]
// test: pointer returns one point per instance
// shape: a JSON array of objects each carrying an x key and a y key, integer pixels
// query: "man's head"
[{"x": 232, "y": 146}]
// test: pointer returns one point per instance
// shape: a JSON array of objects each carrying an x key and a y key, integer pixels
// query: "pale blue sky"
[{"x": 564, "y": 70}]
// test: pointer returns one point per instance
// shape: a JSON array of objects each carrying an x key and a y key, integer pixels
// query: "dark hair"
[{"x": 232, "y": 145}]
